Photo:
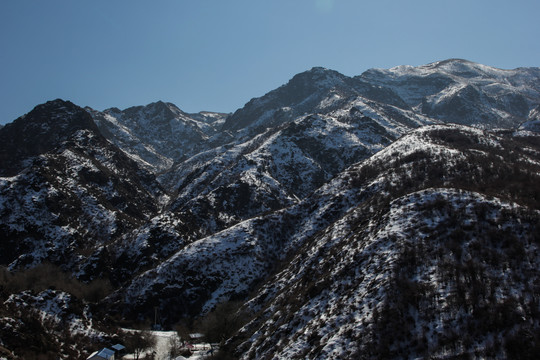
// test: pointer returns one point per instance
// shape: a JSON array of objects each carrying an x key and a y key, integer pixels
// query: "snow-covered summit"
[
  {"x": 41, "y": 130},
  {"x": 462, "y": 91},
  {"x": 321, "y": 77},
  {"x": 457, "y": 67},
  {"x": 158, "y": 134},
  {"x": 299, "y": 96}
]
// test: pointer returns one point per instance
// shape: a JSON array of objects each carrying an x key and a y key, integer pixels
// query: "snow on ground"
[{"x": 164, "y": 342}]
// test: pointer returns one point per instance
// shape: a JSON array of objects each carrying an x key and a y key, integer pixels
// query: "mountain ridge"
[{"x": 483, "y": 97}]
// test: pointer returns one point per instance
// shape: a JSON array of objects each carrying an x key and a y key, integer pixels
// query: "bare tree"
[
  {"x": 222, "y": 322},
  {"x": 138, "y": 342},
  {"x": 174, "y": 346}
]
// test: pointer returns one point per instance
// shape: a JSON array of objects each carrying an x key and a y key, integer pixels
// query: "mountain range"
[{"x": 394, "y": 214}]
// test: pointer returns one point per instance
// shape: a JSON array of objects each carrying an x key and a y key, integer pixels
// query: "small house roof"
[
  {"x": 196, "y": 335},
  {"x": 118, "y": 347},
  {"x": 104, "y": 353}
]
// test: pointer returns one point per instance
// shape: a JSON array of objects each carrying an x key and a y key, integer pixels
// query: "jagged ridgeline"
[{"x": 393, "y": 214}]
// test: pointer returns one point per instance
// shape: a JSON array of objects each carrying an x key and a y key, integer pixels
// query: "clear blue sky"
[{"x": 217, "y": 54}]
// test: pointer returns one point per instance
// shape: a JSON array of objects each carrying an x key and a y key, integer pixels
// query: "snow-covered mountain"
[
  {"x": 69, "y": 191},
  {"x": 436, "y": 161},
  {"x": 275, "y": 169},
  {"x": 159, "y": 134},
  {"x": 40, "y": 131},
  {"x": 413, "y": 259},
  {"x": 344, "y": 213},
  {"x": 318, "y": 90},
  {"x": 463, "y": 92},
  {"x": 452, "y": 91}
]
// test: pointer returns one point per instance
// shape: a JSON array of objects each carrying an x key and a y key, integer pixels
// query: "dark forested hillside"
[{"x": 422, "y": 262}]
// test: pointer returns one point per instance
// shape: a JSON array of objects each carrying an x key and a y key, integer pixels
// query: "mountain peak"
[
  {"x": 320, "y": 77},
  {"x": 41, "y": 130},
  {"x": 302, "y": 92},
  {"x": 319, "y": 69},
  {"x": 162, "y": 105},
  {"x": 158, "y": 109},
  {"x": 453, "y": 61},
  {"x": 461, "y": 67},
  {"x": 60, "y": 112}
]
